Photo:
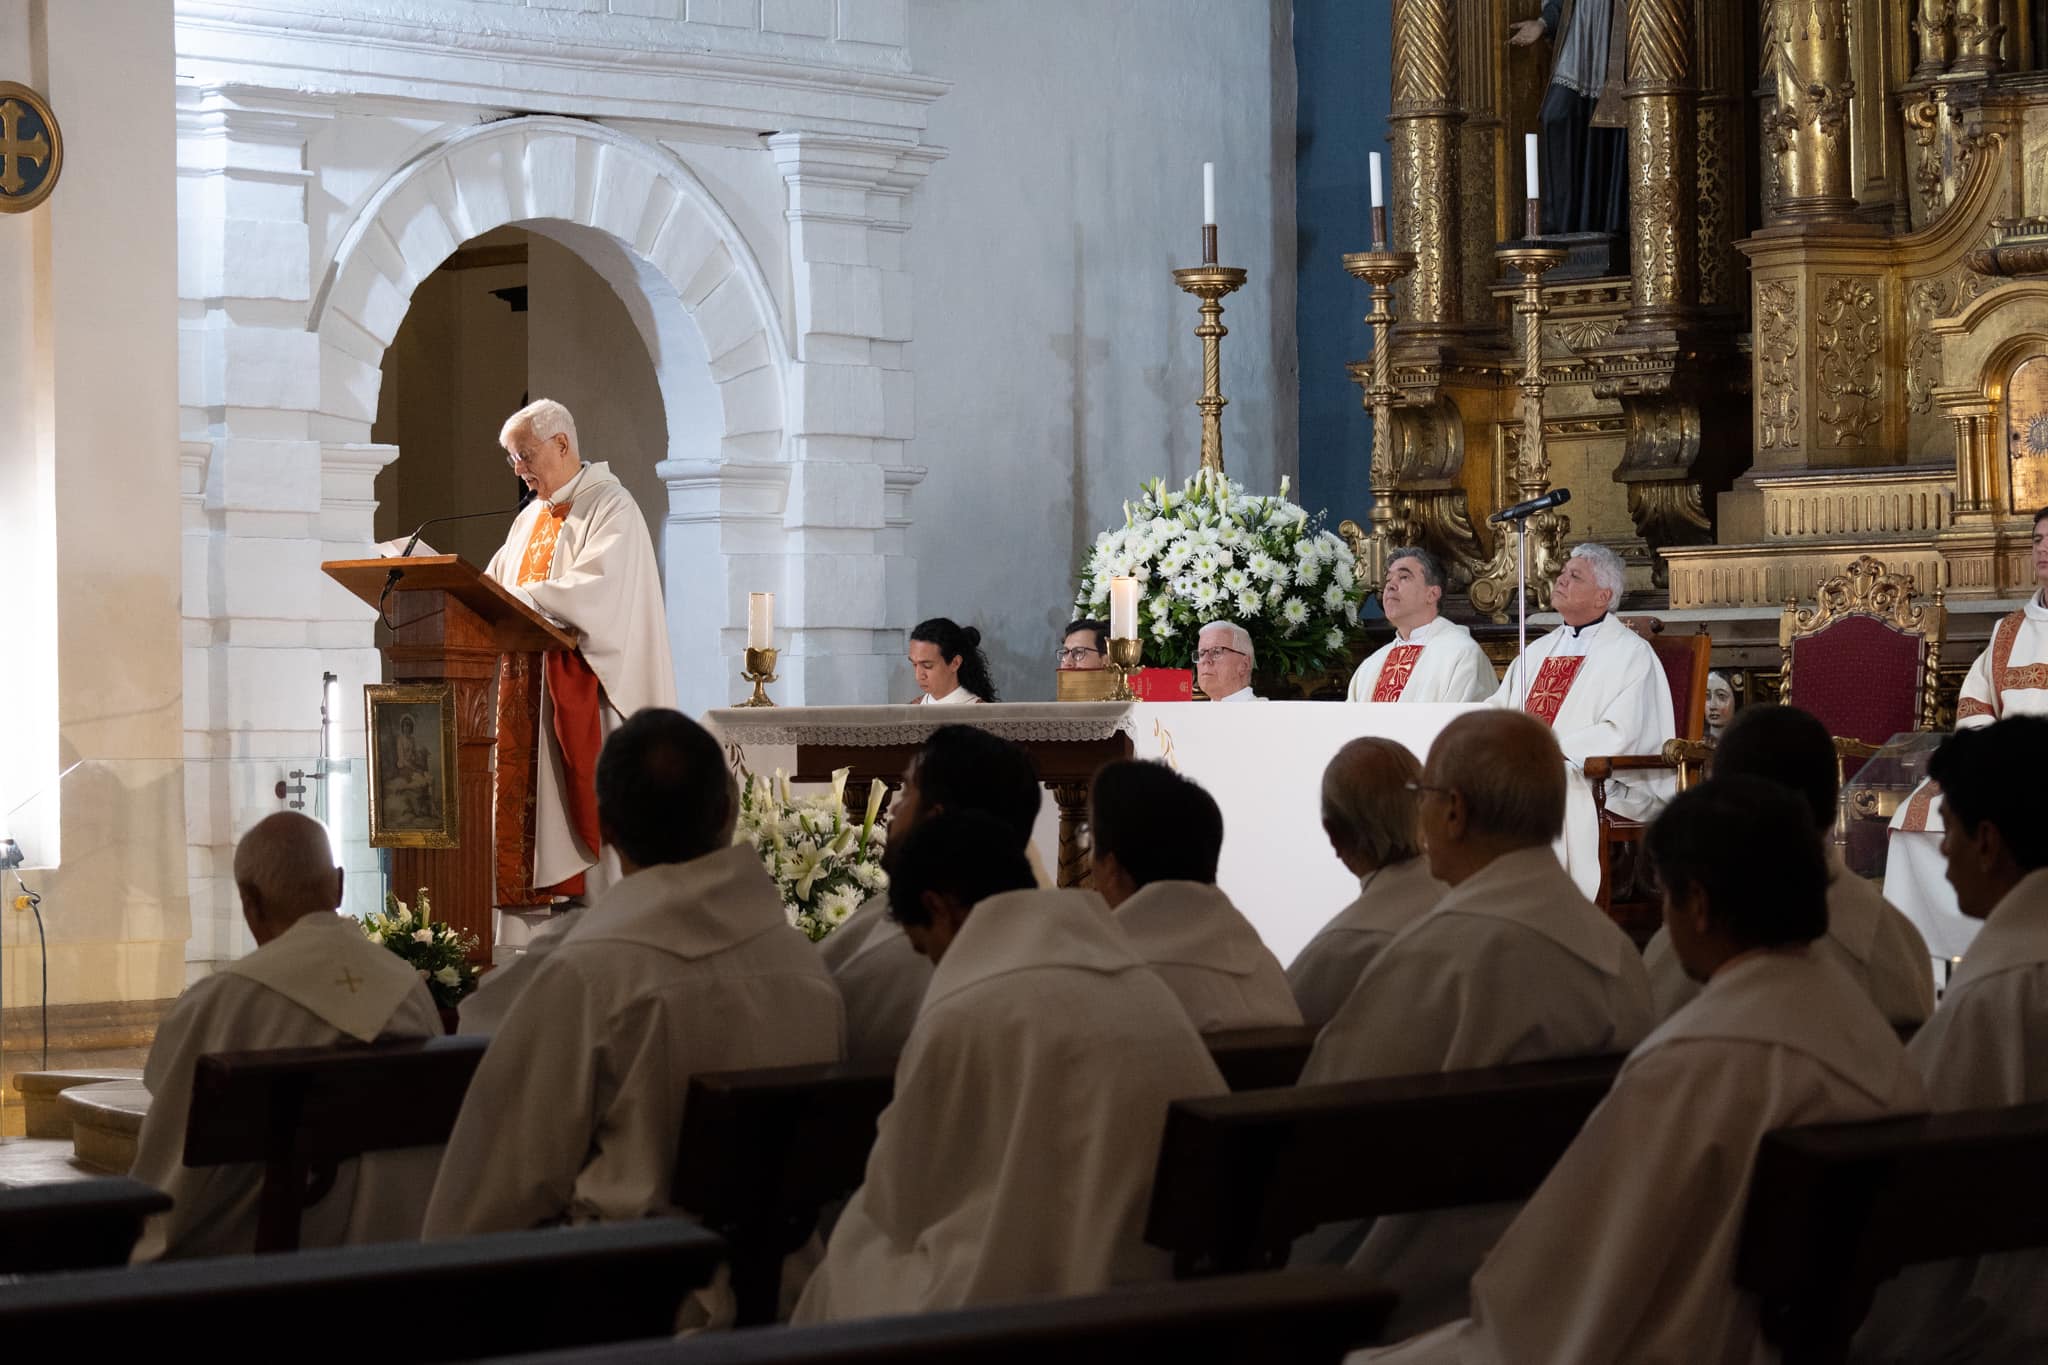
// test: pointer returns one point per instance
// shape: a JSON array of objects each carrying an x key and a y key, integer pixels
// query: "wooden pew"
[
  {"x": 1304, "y": 1317},
  {"x": 548, "y": 1289},
  {"x": 1242, "y": 1176},
  {"x": 762, "y": 1152},
  {"x": 299, "y": 1111},
  {"x": 74, "y": 1224},
  {"x": 1836, "y": 1209}
]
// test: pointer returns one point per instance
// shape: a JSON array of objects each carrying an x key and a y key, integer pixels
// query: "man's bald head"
[
  {"x": 284, "y": 870},
  {"x": 1368, "y": 811},
  {"x": 1508, "y": 772}
]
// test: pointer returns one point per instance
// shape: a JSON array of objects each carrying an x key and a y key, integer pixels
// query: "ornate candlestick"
[
  {"x": 1492, "y": 588},
  {"x": 1124, "y": 657},
  {"x": 1209, "y": 282},
  {"x": 1379, "y": 268},
  {"x": 760, "y": 671}
]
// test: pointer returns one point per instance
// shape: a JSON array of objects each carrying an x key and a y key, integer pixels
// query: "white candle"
[
  {"x": 1379, "y": 194},
  {"x": 1208, "y": 194},
  {"x": 1123, "y": 608},
  {"x": 760, "y": 620},
  {"x": 1529, "y": 155}
]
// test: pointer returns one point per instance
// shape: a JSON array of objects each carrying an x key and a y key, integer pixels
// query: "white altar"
[{"x": 1263, "y": 764}]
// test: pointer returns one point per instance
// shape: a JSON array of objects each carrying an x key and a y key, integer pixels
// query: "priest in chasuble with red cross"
[
  {"x": 1429, "y": 658},
  {"x": 1600, "y": 688},
  {"x": 580, "y": 555}
]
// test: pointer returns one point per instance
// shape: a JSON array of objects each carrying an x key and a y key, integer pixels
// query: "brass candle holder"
[
  {"x": 1124, "y": 657},
  {"x": 760, "y": 671},
  {"x": 1209, "y": 282},
  {"x": 1380, "y": 269}
]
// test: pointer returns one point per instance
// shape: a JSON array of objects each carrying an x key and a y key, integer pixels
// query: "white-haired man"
[
  {"x": 1600, "y": 688},
  {"x": 579, "y": 553},
  {"x": 1430, "y": 658},
  {"x": 1224, "y": 660}
]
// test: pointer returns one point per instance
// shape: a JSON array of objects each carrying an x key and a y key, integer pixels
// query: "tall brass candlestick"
[
  {"x": 1209, "y": 283},
  {"x": 1380, "y": 269}
]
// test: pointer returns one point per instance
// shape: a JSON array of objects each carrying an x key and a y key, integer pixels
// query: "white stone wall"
[{"x": 1056, "y": 362}]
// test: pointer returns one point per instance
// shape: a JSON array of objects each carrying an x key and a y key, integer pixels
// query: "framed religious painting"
[{"x": 410, "y": 740}]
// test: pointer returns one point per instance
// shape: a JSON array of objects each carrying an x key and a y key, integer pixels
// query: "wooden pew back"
[
  {"x": 552, "y": 1288},
  {"x": 1836, "y": 1209},
  {"x": 1305, "y": 1317},
  {"x": 1261, "y": 1058},
  {"x": 1241, "y": 1176},
  {"x": 75, "y": 1224},
  {"x": 298, "y": 1111}
]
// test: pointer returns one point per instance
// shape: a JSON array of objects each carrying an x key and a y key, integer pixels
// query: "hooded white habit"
[
  {"x": 1389, "y": 900},
  {"x": 1209, "y": 955}
]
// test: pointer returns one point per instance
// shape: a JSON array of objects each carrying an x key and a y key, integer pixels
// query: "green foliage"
[{"x": 434, "y": 948}]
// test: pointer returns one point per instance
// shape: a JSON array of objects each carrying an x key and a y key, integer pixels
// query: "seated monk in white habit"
[
  {"x": 485, "y": 1008},
  {"x": 1626, "y": 1253},
  {"x": 687, "y": 964},
  {"x": 1157, "y": 837},
  {"x": 1016, "y": 1160},
  {"x": 1431, "y": 657},
  {"x": 880, "y": 975},
  {"x": 1370, "y": 817},
  {"x": 1878, "y": 946},
  {"x": 313, "y": 981},
  {"x": 1599, "y": 687},
  {"x": 1513, "y": 965},
  {"x": 1224, "y": 660},
  {"x": 1984, "y": 1046}
]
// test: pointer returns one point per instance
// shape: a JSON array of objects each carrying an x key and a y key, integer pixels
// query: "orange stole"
[
  {"x": 539, "y": 557},
  {"x": 1553, "y": 681},
  {"x": 1395, "y": 672}
]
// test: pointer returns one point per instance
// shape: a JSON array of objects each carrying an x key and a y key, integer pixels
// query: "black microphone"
[
  {"x": 1556, "y": 497},
  {"x": 391, "y": 580}
]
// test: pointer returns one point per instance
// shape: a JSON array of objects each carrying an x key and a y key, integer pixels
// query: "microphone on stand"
[
  {"x": 1556, "y": 497},
  {"x": 391, "y": 580}
]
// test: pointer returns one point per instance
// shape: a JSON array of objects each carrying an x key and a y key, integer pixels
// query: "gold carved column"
[
  {"x": 1807, "y": 133},
  {"x": 1425, "y": 127}
]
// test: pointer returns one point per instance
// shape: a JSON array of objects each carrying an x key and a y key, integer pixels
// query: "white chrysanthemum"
[
  {"x": 1206, "y": 593},
  {"x": 1294, "y": 612},
  {"x": 1343, "y": 573},
  {"x": 1308, "y": 572},
  {"x": 1232, "y": 535},
  {"x": 1164, "y": 629},
  {"x": 1276, "y": 593},
  {"x": 1161, "y": 605},
  {"x": 1335, "y": 639},
  {"x": 1206, "y": 564},
  {"x": 1101, "y": 594},
  {"x": 1237, "y": 580},
  {"x": 870, "y": 876},
  {"x": 1249, "y": 603},
  {"x": 1260, "y": 564},
  {"x": 1333, "y": 597}
]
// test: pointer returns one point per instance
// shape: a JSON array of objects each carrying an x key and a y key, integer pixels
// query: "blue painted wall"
[{"x": 1343, "y": 72}]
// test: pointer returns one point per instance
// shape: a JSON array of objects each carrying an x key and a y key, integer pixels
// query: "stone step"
[
  {"x": 105, "y": 1120},
  {"x": 44, "y": 1116}
]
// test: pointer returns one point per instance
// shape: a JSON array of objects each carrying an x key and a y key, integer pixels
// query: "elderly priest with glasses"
[
  {"x": 1224, "y": 661},
  {"x": 579, "y": 554}
]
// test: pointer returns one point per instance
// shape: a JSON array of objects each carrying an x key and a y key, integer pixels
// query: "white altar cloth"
[{"x": 1263, "y": 764}]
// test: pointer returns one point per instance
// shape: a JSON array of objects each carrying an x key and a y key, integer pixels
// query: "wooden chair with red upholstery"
[{"x": 1686, "y": 660}]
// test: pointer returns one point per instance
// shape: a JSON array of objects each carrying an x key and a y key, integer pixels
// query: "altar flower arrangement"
[
  {"x": 1208, "y": 551},
  {"x": 824, "y": 863},
  {"x": 437, "y": 950}
]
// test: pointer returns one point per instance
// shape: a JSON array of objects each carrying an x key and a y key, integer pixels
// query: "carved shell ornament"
[{"x": 1865, "y": 589}]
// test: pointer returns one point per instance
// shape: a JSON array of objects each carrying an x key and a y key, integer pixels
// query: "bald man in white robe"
[
  {"x": 1512, "y": 965},
  {"x": 1371, "y": 821},
  {"x": 1430, "y": 658},
  {"x": 687, "y": 965},
  {"x": 1872, "y": 941},
  {"x": 1599, "y": 686},
  {"x": 1016, "y": 1160},
  {"x": 313, "y": 981},
  {"x": 1626, "y": 1253},
  {"x": 1157, "y": 837}
]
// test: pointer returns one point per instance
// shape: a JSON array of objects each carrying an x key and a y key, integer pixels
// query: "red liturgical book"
[{"x": 1164, "y": 684}]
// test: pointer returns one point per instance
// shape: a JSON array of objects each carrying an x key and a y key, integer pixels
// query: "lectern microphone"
[
  {"x": 391, "y": 581},
  {"x": 1554, "y": 498}
]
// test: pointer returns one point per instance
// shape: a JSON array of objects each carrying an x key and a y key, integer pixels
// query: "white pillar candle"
[
  {"x": 760, "y": 620},
  {"x": 1529, "y": 155},
  {"x": 1123, "y": 608},
  {"x": 1379, "y": 194},
  {"x": 1208, "y": 194}
]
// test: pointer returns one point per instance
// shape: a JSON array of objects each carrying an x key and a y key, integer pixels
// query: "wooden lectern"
[{"x": 452, "y": 624}]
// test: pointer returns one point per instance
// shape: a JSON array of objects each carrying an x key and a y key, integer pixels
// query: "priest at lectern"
[{"x": 580, "y": 555}]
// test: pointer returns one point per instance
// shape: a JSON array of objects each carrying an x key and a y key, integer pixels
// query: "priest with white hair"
[
  {"x": 1430, "y": 658},
  {"x": 1601, "y": 689},
  {"x": 579, "y": 554},
  {"x": 1224, "y": 660}
]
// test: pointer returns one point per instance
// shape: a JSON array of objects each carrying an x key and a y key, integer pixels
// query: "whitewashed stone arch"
[{"x": 517, "y": 171}]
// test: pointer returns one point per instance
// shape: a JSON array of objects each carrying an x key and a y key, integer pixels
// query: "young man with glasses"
[{"x": 1084, "y": 645}]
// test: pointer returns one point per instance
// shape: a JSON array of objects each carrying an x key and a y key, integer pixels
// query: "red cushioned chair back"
[
  {"x": 1685, "y": 667},
  {"x": 1861, "y": 677}
]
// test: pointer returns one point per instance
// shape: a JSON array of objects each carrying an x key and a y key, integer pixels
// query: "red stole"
[
  {"x": 1553, "y": 681},
  {"x": 1395, "y": 672},
  {"x": 576, "y": 699}
]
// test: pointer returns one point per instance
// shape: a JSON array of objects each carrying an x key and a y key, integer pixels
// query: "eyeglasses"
[
  {"x": 1074, "y": 656},
  {"x": 518, "y": 458},
  {"x": 1210, "y": 656}
]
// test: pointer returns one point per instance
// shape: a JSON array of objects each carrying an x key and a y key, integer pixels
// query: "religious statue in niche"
[{"x": 1583, "y": 120}]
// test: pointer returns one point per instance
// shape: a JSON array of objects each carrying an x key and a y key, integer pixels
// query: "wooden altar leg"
[{"x": 1075, "y": 860}]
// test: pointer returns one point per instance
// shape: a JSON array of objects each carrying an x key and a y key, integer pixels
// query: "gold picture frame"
[{"x": 409, "y": 738}]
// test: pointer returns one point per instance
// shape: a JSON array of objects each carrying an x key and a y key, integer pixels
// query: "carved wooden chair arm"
[{"x": 1599, "y": 768}]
